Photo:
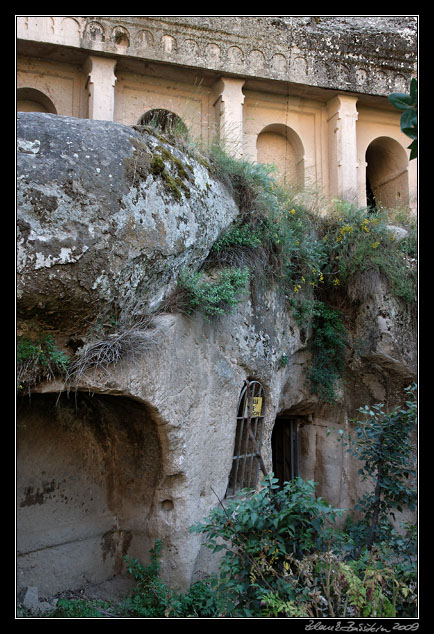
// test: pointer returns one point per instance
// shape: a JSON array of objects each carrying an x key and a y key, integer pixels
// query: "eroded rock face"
[
  {"x": 144, "y": 448},
  {"x": 87, "y": 476}
]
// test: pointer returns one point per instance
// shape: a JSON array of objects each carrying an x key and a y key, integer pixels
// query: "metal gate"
[
  {"x": 285, "y": 449},
  {"x": 248, "y": 439}
]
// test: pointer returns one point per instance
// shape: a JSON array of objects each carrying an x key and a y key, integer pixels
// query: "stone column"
[
  {"x": 101, "y": 87},
  {"x": 228, "y": 104},
  {"x": 342, "y": 147}
]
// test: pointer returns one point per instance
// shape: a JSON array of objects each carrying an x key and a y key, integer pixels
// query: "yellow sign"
[{"x": 256, "y": 407}]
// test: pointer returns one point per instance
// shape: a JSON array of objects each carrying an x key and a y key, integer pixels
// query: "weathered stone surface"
[
  {"x": 368, "y": 54},
  {"x": 98, "y": 221}
]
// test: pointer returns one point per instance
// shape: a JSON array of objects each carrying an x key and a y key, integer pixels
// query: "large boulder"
[{"x": 106, "y": 213}]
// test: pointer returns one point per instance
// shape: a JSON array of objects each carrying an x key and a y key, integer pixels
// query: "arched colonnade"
[{"x": 370, "y": 170}]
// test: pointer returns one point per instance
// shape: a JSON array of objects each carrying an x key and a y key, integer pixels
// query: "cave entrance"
[
  {"x": 285, "y": 446},
  {"x": 87, "y": 470}
]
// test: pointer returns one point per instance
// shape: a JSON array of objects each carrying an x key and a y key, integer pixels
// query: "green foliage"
[
  {"x": 78, "y": 609},
  {"x": 283, "y": 360},
  {"x": 381, "y": 441},
  {"x": 407, "y": 103},
  {"x": 214, "y": 297},
  {"x": 258, "y": 533},
  {"x": 270, "y": 218},
  {"x": 152, "y": 598},
  {"x": 283, "y": 556},
  {"x": 238, "y": 236},
  {"x": 310, "y": 257},
  {"x": 327, "y": 345},
  {"x": 38, "y": 360},
  {"x": 358, "y": 241}
]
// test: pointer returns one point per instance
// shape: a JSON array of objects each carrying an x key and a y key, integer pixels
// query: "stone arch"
[
  {"x": 32, "y": 100},
  {"x": 164, "y": 120},
  {"x": 386, "y": 173},
  {"x": 281, "y": 146},
  {"x": 88, "y": 466}
]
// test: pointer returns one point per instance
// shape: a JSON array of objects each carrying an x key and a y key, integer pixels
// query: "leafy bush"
[
  {"x": 214, "y": 297},
  {"x": 240, "y": 236},
  {"x": 79, "y": 609},
  {"x": 327, "y": 344},
  {"x": 259, "y": 533},
  {"x": 382, "y": 443},
  {"x": 38, "y": 360},
  {"x": 358, "y": 241},
  {"x": 152, "y": 598}
]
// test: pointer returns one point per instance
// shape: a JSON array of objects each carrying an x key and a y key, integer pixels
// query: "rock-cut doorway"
[{"x": 285, "y": 445}]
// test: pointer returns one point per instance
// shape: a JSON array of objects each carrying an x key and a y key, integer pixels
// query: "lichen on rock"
[{"x": 104, "y": 212}]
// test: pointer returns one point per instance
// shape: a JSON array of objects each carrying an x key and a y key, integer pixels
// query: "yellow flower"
[
  {"x": 375, "y": 244},
  {"x": 336, "y": 282},
  {"x": 292, "y": 211},
  {"x": 365, "y": 224}
]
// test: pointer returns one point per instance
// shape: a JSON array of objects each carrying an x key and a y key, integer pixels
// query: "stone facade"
[
  {"x": 144, "y": 448},
  {"x": 307, "y": 93}
]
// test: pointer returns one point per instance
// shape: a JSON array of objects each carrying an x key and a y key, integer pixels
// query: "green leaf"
[
  {"x": 413, "y": 149},
  {"x": 413, "y": 89},
  {"x": 411, "y": 132},
  {"x": 400, "y": 100},
  {"x": 408, "y": 119}
]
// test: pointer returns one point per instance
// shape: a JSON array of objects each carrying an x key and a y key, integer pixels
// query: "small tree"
[{"x": 382, "y": 443}]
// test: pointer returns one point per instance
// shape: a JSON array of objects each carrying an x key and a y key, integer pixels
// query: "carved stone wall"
[
  {"x": 266, "y": 86},
  {"x": 366, "y": 54}
]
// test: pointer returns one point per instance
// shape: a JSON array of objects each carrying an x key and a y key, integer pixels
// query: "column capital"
[{"x": 342, "y": 105}]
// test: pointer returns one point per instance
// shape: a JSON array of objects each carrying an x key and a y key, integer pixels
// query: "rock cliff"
[{"x": 108, "y": 217}]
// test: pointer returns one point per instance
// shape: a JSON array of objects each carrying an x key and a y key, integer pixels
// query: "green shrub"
[
  {"x": 79, "y": 609},
  {"x": 238, "y": 236},
  {"x": 38, "y": 360},
  {"x": 258, "y": 533},
  {"x": 152, "y": 598},
  {"x": 327, "y": 345},
  {"x": 358, "y": 241},
  {"x": 381, "y": 441},
  {"x": 214, "y": 297}
]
